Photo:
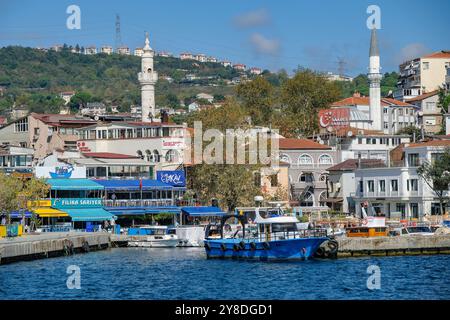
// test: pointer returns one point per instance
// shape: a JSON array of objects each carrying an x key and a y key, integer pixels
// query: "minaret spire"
[
  {"x": 147, "y": 78},
  {"x": 374, "y": 75}
]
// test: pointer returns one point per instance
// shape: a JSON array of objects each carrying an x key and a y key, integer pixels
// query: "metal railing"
[
  {"x": 138, "y": 203},
  {"x": 284, "y": 235}
]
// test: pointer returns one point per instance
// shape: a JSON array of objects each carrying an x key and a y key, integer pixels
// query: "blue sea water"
[{"x": 185, "y": 273}]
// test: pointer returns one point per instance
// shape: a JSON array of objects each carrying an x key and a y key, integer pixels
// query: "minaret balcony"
[{"x": 147, "y": 77}]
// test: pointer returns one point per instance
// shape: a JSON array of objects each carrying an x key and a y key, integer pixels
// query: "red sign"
[{"x": 339, "y": 117}]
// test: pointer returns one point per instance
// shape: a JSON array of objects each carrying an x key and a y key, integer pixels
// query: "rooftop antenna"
[{"x": 118, "y": 35}]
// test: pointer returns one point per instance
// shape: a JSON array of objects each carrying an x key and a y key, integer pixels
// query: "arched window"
[
  {"x": 140, "y": 154},
  {"x": 285, "y": 158},
  {"x": 308, "y": 200},
  {"x": 305, "y": 159},
  {"x": 149, "y": 155},
  {"x": 156, "y": 156},
  {"x": 171, "y": 156},
  {"x": 325, "y": 159},
  {"x": 323, "y": 199},
  {"x": 306, "y": 177},
  {"x": 323, "y": 177}
]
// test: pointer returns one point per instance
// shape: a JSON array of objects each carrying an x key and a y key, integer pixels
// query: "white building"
[
  {"x": 431, "y": 113},
  {"x": 186, "y": 56},
  {"x": 422, "y": 75},
  {"x": 226, "y": 63},
  {"x": 90, "y": 50},
  {"x": 106, "y": 50},
  {"x": 159, "y": 143},
  {"x": 123, "y": 50},
  {"x": 397, "y": 189},
  {"x": 200, "y": 57},
  {"x": 138, "y": 52},
  {"x": 255, "y": 71},
  {"x": 147, "y": 79},
  {"x": 93, "y": 108},
  {"x": 66, "y": 96},
  {"x": 239, "y": 66},
  {"x": 205, "y": 96}
]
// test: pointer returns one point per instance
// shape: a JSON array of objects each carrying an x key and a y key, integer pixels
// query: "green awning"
[
  {"x": 74, "y": 184},
  {"x": 91, "y": 214}
]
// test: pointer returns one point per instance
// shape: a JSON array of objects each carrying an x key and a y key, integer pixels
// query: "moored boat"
[
  {"x": 275, "y": 237},
  {"x": 153, "y": 237}
]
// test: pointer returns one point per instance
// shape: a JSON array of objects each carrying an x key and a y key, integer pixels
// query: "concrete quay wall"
[
  {"x": 37, "y": 246},
  {"x": 401, "y": 245}
]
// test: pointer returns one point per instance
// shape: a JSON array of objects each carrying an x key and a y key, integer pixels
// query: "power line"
[{"x": 118, "y": 35}]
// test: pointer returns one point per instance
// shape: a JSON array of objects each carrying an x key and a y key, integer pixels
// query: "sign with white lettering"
[
  {"x": 175, "y": 178},
  {"x": 77, "y": 203},
  {"x": 64, "y": 171}
]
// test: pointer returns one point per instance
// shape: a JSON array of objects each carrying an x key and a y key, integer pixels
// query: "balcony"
[
  {"x": 385, "y": 194},
  {"x": 148, "y": 77}
]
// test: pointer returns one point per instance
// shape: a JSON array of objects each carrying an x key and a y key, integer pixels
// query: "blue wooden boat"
[{"x": 274, "y": 237}]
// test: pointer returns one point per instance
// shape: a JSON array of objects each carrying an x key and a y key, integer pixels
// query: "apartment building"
[
  {"x": 431, "y": 113},
  {"x": 422, "y": 75},
  {"x": 395, "y": 188}
]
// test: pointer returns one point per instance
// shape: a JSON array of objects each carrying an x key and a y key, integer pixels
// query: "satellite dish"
[
  {"x": 96, "y": 118},
  {"x": 349, "y": 133}
]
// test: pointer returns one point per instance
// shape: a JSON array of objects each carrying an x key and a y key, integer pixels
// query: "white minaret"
[
  {"x": 147, "y": 78},
  {"x": 374, "y": 76}
]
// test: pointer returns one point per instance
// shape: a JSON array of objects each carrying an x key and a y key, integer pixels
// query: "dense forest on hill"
[{"x": 34, "y": 78}]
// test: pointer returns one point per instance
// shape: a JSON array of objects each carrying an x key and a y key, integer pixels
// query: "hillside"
[{"x": 34, "y": 78}]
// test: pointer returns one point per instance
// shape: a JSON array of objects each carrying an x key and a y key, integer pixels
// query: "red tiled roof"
[
  {"x": 423, "y": 96},
  {"x": 301, "y": 144},
  {"x": 439, "y": 54},
  {"x": 108, "y": 155},
  {"x": 431, "y": 143},
  {"x": 353, "y": 101},
  {"x": 352, "y": 164}
]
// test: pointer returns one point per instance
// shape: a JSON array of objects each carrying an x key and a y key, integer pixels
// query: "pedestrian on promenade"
[{"x": 3, "y": 220}]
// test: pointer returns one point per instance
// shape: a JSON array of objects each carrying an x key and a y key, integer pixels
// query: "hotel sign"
[
  {"x": 172, "y": 143},
  {"x": 338, "y": 117},
  {"x": 77, "y": 203},
  {"x": 175, "y": 178}
]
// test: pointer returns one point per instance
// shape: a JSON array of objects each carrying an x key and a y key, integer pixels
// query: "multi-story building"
[
  {"x": 93, "y": 108},
  {"x": 431, "y": 113},
  {"x": 107, "y": 50},
  {"x": 337, "y": 77},
  {"x": 66, "y": 96},
  {"x": 138, "y": 52},
  {"x": 211, "y": 59},
  {"x": 160, "y": 143},
  {"x": 255, "y": 71},
  {"x": 123, "y": 50},
  {"x": 355, "y": 112},
  {"x": 395, "y": 188},
  {"x": 422, "y": 75},
  {"x": 308, "y": 162},
  {"x": 90, "y": 50},
  {"x": 186, "y": 56},
  {"x": 226, "y": 63},
  {"x": 239, "y": 66},
  {"x": 200, "y": 57},
  {"x": 44, "y": 132},
  {"x": 447, "y": 79},
  {"x": 15, "y": 159},
  {"x": 360, "y": 143}
]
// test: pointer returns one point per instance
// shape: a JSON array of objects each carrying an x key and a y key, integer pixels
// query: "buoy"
[
  {"x": 235, "y": 247},
  {"x": 242, "y": 245},
  {"x": 252, "y": 246},
  {"x": 223, "y": 247},
  {"x": 85, "y": 246},
  {"x": 266, "y": 245},
  {"x": 207, "y": 246}
]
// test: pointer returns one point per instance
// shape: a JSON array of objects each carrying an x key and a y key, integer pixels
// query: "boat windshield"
[
  {"x": 284, "y": 227},
  {"x": 418, "y": 229}
]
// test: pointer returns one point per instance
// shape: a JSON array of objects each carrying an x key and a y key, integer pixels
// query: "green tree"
[
  {"x": 413, "y": 131},
  {"x": 437, "y": 176},
  {"x": 257, "y": 99},
  {"x": 302, "y": 97}
]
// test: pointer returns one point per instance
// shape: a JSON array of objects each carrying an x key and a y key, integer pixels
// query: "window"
[
  {"x": 370, "y": 186},
  {"x": 21, "y": 125},
  {"x": 426, "y": 65},
  {"x": 323, "y": 177},
  {"x": 325, "y": 159},
  {"x": 323, "y": 199},
  {"x": 306, "y": 177},
  {"x": 382, "y": 185},
  {"x": 394, "y": 185},
  {"x": 412, "y": 185},
  {"x": 305, "y": 159},
  {"x": 273, "y": 180},
  {"x": 308, "y": 200},
  {"x": 429, "y": 121},
  {"x": 171, "y": 156},
  {"x": 385, "y": 110},
  {"x": 430, "y": 106},
  {"x": 285, "y": 158},
  {"x": 361, "y": 187},
  {"x": 413, "y": 159}
]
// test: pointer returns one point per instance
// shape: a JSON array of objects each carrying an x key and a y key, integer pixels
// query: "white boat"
[{"x": 154, "y": 237}]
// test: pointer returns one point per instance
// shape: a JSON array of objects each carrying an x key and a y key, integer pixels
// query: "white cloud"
[
  {"x": 262, "y": 45},
  {"x": 254, "y": 18}
]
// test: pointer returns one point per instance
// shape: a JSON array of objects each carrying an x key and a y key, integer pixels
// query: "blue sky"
[{"x": 268, "y": 34}]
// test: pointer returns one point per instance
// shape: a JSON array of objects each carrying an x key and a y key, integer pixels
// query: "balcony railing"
[
  {"x": 138, "y": 203},
  {"x": 386, "y": 194}
]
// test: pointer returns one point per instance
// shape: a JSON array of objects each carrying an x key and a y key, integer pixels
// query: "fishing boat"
[
  {"x": 153, "y": 237},
  {"x": 270, "y": 237}
]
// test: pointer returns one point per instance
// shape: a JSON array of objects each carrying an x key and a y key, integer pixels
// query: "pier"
[
  {"x": 391, "y": 246},
  {"x": 45, "y": 245}
]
